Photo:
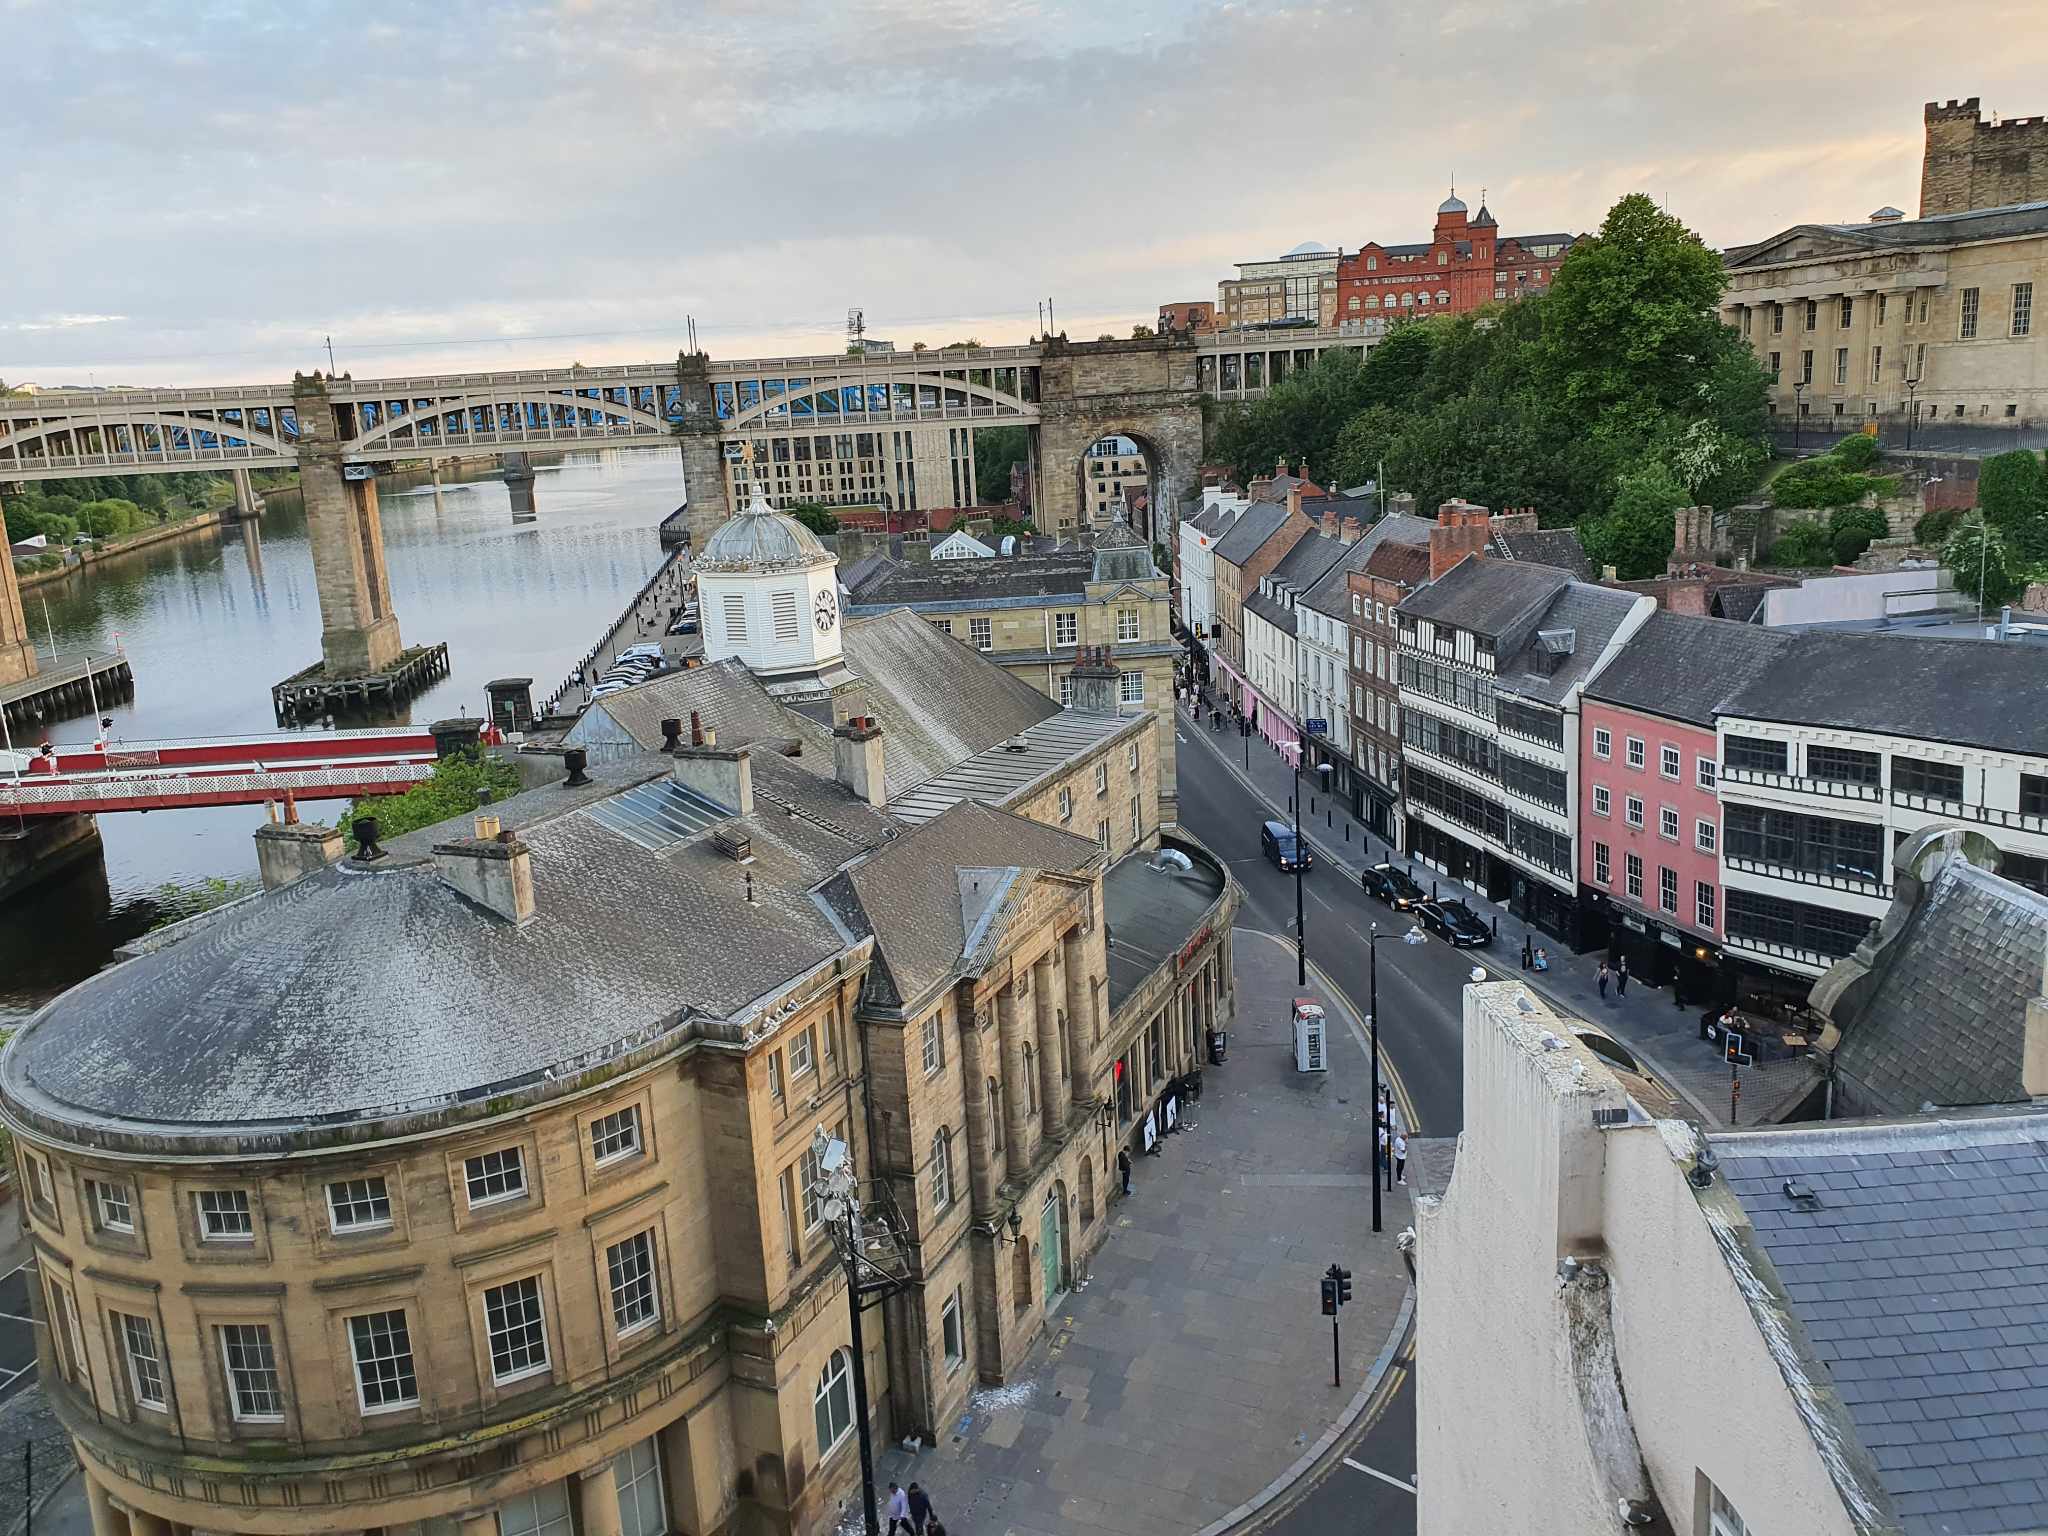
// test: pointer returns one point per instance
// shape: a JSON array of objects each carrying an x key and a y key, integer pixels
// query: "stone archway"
[{"x": 1143, "y": 390}]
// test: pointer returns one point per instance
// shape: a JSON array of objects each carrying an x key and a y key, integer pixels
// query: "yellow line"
[{"x": 1401, "y": 1097}]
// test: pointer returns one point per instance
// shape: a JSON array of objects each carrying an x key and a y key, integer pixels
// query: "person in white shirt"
[
  {"x": 1400, "y": 1157},
  {"x": 899, "y": 1509}
]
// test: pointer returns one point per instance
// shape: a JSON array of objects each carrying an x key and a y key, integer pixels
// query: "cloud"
[{"x": 481, "y": 184}]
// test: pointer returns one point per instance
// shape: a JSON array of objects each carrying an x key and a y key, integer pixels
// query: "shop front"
[{"x": 1662, "y": 953}]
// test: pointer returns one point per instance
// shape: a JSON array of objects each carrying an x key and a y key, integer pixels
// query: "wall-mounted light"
[{"x": 1015, "y": 1222}]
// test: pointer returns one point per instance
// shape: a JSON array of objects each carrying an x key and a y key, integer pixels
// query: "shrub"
[
  {"x": 1826, "y": 482},
  {"x": 1852, "y": 529},
  {"x": 1977, "y": 556},
  {"x": 1802, "y": 544},
  {"x": 1935, "y": 527},
  {"x": 1857, "y": 452},
  {"x": 451, "y": 791}
]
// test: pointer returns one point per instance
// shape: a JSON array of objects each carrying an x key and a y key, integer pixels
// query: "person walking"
[
  {"x": 1604, "y": 977},
  {"x": 899, "y": 1509},
  {"x": 1621, "y": 977},
  {"x": 1400, "y": 1157},
  {"x": 1381, "y": 1164},
  {"x": 1123, "y": 1167},
  {"x": 920, "y": 1509}
]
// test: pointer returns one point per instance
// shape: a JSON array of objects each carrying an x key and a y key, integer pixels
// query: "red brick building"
[
  {"x": 1466, "y": 263},
  {"x": 1194, "y": 315}
]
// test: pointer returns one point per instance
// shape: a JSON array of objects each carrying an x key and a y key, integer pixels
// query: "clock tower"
[{"x": 768, "y": 595}]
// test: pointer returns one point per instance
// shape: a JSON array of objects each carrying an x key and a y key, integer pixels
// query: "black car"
[
  {"x": 1454, "y": 922},
  {"x": 1392, "y": 885}
]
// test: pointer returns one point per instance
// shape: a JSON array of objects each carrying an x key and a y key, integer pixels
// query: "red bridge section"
[{"x": 228, "y": 770}]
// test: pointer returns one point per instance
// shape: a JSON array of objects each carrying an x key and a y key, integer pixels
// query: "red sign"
[{"x": 1187, "y": 950}]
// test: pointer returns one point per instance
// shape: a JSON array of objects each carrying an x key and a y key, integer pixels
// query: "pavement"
[
  {"x": 1187, "y": 1385},
  {"x": 1648, "y": 1020},
  {"x": 36, "y": 1464},
  {"x": 645, "y": 619}
]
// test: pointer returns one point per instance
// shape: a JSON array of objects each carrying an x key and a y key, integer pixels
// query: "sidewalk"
[
  {"x": 1189, "y": 1377},
  {"x": 1665, "y": 1036}
]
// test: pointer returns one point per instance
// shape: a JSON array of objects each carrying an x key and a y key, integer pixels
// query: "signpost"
[{"x": 1336, "y": 1292}]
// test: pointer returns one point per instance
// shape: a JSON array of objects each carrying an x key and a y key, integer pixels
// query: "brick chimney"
[
  {"x": 493, "y": 869},
  {"x": 857, "y": 759},
  {"x": 1692, "y": 539},
  {"x": 1350, "y": 530},
  {"x": 1096, "y": 683},
  {"x": 1294, "y": 499},
  {"x": 1329, "y": 523},
  {"x": 1461, "y": 529},
  {"x": 1515, "y": 520}
]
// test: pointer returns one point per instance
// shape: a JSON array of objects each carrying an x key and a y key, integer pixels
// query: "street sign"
[{"x": 1316, "y": 727}]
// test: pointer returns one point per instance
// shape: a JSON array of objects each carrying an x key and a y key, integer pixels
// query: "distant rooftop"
[{"x": 1003, "y": 771}]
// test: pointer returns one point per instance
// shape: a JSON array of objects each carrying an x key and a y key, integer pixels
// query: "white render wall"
[
  {"x": 1501, "y": 1443},
  {"x": 760, "y": 650}
]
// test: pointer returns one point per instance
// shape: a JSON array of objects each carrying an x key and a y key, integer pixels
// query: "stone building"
[
  {"x": 1299, "y": 288},
  {"x": 1393, "y": 571},
  {"x": 1800, "y": 1329},
  {"x": 1465, "y": 264},
  {"x": 1112, "y": 471},
  {"x": 1256, "y": 542},
  {"x": 1035, "y": 615},
  {"x": 1968, "y": 163},
  {"x": 1860, "y": 322}
]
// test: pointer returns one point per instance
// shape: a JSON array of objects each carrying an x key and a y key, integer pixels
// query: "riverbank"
[{"x": 76, "y": 560}]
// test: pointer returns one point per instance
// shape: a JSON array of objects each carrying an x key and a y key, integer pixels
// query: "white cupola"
[{"x": 768, "y": 594}]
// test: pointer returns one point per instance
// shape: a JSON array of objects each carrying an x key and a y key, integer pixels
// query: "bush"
[
  {"x": 1852, "y": 530},
  {"x": 1802, "y": 544},
  {"x": 1827, "y": 482},
  {"x": 1977, "y": 556},
  {"x": 451, "y": 791},
  {"x": 1857, "y": 452},
  {"x": 1935, "y": 527},
  {"x": 2012, "y": 493}
]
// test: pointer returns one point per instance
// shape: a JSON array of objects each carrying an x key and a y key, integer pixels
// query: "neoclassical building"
[{"x": 468, "y": 1183}]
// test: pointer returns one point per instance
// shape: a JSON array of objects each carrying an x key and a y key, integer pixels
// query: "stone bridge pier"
[
  {"x": 358, "y": 630},
  {"x": 703, "y": 453},
  {"x": 519, "y": 481},
  {"x": 1141, "y": 389},
  {"x": 17, "y": 650}
]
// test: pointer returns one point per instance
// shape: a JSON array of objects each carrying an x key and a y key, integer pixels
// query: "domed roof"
[
  {"x": 1450, "y": 204},
  {"x": 1310, "y": 248},
  {"x": 760, "y": 538}
]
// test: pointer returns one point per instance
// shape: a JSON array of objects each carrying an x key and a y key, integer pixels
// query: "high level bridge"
[{"x": 895, "y": 428}]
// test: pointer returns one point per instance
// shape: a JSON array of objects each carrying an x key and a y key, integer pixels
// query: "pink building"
[{"x": 1649, "y": 820}]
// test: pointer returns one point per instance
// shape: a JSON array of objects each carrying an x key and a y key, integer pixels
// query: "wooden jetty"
[
  {"x": 66, "y": 687},
  {"x": 313, "y": 692}
]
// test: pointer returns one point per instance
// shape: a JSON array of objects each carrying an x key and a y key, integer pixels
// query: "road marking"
[{"x": 1385, "y": 1477}]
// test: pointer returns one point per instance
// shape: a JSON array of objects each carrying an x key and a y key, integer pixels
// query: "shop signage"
[
  {"x": 1634, "y": 924},
  {"x": 1187, "y": 950},
  {"x": 1672, "y": 939},
  {"x": 1316, "y": 727}
]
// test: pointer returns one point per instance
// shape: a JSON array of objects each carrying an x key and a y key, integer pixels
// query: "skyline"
[{"x": 546, "y": 183}]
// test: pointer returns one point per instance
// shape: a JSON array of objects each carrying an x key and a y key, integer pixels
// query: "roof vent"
[
  {"x": 671, "y": 734},
  {"x": 366, "y": 830},
  {"x": 1016, "y": 744},
  {"x": 1704, "y": 1168},
  {"x": 1802, "y": 1195},
  {"x": 576, "y": 760},
  {"x": 1558, "y": 642},
  {"x": 734, "y": 844}
]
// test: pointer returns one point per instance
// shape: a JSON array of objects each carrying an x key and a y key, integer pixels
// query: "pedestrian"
[
  {"x": 920, "y": 1509},
  {"x": 1123, "y": 1167},
  {"x": 1400, "y": 1157},
  {"x": 1381, "y": 1163},
  {"x": 1605, "y": 976},
  {"x": 899, "y": 1509},
  {"x": 1621, "y": 977}
]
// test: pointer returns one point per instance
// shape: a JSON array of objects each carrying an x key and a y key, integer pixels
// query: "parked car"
[
  {"x": 1454, "y": 922},
  {"x": 603, "y": 689},
  {"x": 649, "y": 650},
  {"x": 1288, "y": 853},
  {"x": 1393, "y": 885},
  {"x": 686, "y": 625}
]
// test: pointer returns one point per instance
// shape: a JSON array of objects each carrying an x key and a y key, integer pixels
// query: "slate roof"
[
  {"x": 1256, "y": 524},
  {"x": 1331, "y": 594},
  {"x": 1945, "y": 1019},
  {"x": 1679, "y": 667},
  {"x": 961, "y": 583},
  {"x": 1489, "y": 597},
  {"x": 1958, "y": 691},
  {"x": 1151, "y": 912},
  {"x": 363, "y": 990},
  {"x": 932, "y": 892},
  {"x": 1559, "y": 547},
  {"x": 1593, "y": 614},
  {"x": 1273, "y": 611},
  {"x": 1937, "y": 230},
  {"x": 1010, "y": 767},
  {"x": 1740, "y": 603},
  {"x": 1305, "y": 564},
  {"x": 724, "y": 695},
  {"x": 1917, "y": 1276}
]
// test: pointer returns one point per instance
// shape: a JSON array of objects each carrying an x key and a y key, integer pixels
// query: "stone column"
[
  {"x": 597, "y": 1501},
  {"x": 519, "y": 481},
  {"x": 246, "y": 504},
  {"x": 1052, "y": 1095},
  {"x": 1081, "y": 1067},
  {"x": 980, "y": 1124},
  {"x": 358, "y": 630},
  {"x": 142, "y": 1523},
  {"x": 17, "y": 650},
  {"x": 703, "y": 452},
  {"x": 106, "y": 1520},
  {"x": 1016, "y": 1127}
]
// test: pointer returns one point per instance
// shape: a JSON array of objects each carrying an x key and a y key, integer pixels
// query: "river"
[{"x": 209, "y": 622}]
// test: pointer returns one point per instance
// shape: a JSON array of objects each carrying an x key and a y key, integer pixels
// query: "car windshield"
[{"x": 1458, "y": 912}]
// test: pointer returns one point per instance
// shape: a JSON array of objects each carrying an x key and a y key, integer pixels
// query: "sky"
[{"x": 205, "y": 191}]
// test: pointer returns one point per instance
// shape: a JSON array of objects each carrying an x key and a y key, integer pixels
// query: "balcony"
[
  {"x": 1957, "y": 810},
  {"x": 1836, "y": 789},
  {"x": 1831, "y": 880}
]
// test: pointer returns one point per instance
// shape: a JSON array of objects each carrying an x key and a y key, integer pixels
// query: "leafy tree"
[
  {"x": 1394, "y": 370},
  {"x": 814, "y": 517},
  {"x": 970, "y": 344},
  {"x": 1826, "y": 482},
  {"x": 1857, "y": 451},
  {"x": 452, "y": 789},
  {"x": 1635, "y": 535},
  {"x": 111, "y": 517},
  {"x": 1003, "y": 523},
  {"x": 1363, "y": 444},
  {"x": 1802, "y": 544},
  {"x": 1979, "y": 559},
  {"x": 1933, "y": 528},
  {"x": 995, "y": 450},
  {"x": 1852, "y": 530},
  {"x": 2012, "y": 494},
  {"x": 1142, "y": 333},
  {"x": 1297, "y": 420},
  {"x": 1107, "y": 336}
]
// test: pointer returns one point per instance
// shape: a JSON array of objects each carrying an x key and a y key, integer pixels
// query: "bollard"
[
  {"x": 1347, "y": 831},
  {"x": 1432, "y": 890},
  {"x": 1330, "y": 820}
]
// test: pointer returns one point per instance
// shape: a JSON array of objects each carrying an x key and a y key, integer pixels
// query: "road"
[{"x": 1367, "y": 1483}]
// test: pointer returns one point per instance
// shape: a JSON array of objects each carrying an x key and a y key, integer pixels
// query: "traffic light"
[
  {"x": 1343, "y": 1279},
  {"x": 1329, "y": 1297}
]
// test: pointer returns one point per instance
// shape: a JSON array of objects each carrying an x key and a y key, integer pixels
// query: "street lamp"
[
  {"x": 870, "y": 1248},
  {"x": 1912, "y": 409},
  {"x": 1414, "y": 935},
  {"x": 1798, "y": 410}
]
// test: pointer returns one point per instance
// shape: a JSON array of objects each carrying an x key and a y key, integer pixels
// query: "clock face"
[{"x": 826, "y": 612}]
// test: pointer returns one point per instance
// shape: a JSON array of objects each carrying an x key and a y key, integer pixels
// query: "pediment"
[{"x": 1805, "y": 242}]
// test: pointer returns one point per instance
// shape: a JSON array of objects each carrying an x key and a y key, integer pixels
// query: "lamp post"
[
  {"x": 1414, "y": 935},
  {"x": 866, "y": 1251},
  {"x": 1798, "y": 410},
  {"x": 1912, "y": 409}
]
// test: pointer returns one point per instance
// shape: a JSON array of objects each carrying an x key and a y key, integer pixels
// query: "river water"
[{"x": 212, "y": 620}]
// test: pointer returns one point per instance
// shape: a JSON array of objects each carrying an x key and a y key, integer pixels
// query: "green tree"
[
  {"x": 1394, "y": 370},
  {"x": 1978, "y": 557},
  {"x": 2012, "y": 494},
  {"x": 1933, "y": 528},
  {"x": 1852, "y": 530},
  {"x": 1298, "y": 419},
  {"x": 1635, "y": 535},
  {"x": 995, "y": 450},
  {"x": 453, "y": 789},
  {"x": 1802, "y": 544},
  {"x": 814, "y": 517},
  {"x": 1362, "y": 446}
]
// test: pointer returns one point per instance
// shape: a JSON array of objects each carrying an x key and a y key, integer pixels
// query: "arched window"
[
  {"x": 1442, "y": 296},
  {"x": 942, "y": 1169},
  {"x": 1407, "y": 298},
  {"x": 832, "y": 1403},
  {"x": 995, "y": 1112}
]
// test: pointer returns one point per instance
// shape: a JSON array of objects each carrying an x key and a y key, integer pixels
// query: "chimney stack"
[
  {"x": 1461, "y": 529},
  {"x": 1294, "y": 500},
  {"x": 493, "y": 868},
  {"x": 857, "y": 759},
  {"x": 1328, "y": 522},
  {"x": 1350, "y": 530},
  {"x": 1097, "y": 686},
  {"x": 292, "y": 849},
  {"x": 724, "y": 776}
]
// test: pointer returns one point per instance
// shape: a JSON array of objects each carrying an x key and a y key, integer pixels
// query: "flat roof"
[{"x": 1153, "y": 911}]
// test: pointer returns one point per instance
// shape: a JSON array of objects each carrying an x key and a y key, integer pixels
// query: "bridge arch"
[
  {"x": 378, "y": 439},
  {"x": 753, "y": 415},
  {"x": 166, "y": 421}
]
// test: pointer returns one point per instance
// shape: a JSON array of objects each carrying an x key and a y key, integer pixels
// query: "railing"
[
  {"x": 1764, "y": 778},
  {"x": 25, "y": 794},
  {"x": 1858, "y": 884},
  {"x": 1991, "y": 815},
  {"x": 590, "y": 656}
]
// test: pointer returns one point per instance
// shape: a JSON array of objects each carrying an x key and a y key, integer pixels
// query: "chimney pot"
[
  {"x": 366, "y": 830},
  {"x": 671, "y": 734},
  {"x": 857, "y": 761},
  {"x": 696, "y": 729},
  {"x": 575, "y": 760}
]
